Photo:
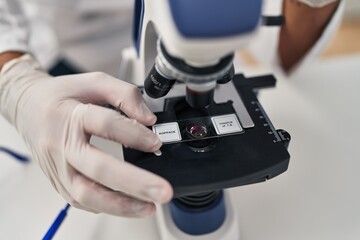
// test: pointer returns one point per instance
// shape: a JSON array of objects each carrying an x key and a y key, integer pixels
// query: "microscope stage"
[{"x": 257, "y": 154}]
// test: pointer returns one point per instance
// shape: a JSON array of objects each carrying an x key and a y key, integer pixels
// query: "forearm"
[
  {"x": 304, "y": 26},
  {"x": 8, "y": 56}
]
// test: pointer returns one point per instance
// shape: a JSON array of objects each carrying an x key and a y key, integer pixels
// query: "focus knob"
[{"x": 285, "y": 137}]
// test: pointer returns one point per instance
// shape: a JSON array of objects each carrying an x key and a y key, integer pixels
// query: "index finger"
[{"x": 122, "y": 95}]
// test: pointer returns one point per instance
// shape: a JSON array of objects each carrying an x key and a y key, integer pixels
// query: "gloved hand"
[{"x": 57, "y": 115}]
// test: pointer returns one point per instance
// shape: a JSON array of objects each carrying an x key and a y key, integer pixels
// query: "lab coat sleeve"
[
  {"x": 265, "y": 47},
  {"x": 13, "y": 27}
]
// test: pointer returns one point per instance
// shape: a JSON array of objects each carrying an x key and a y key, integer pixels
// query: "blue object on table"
[
  {"x": 56, "y": 224},
  {"x": 17, "y": 156}
]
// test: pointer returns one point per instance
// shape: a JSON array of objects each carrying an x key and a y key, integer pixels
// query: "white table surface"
[{"x": 317, "y": 198}]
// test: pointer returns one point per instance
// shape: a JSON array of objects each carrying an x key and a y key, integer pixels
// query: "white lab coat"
[
  {"x": 91, "y": 33},
  {"x": 88, "y": 33}
]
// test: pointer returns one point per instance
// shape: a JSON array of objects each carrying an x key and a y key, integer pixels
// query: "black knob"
[
  {"x": 285, "y": 137},
  {"x": 156, "y": 84}
]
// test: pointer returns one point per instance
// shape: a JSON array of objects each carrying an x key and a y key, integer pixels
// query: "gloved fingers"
[
  {"x": 64, "y": 187},
  {"x": 120, "y": 94},
  {"x": 76, "y": 204},
  {"x": 91, "y": 195},
  {"x": 111, "y": 125},
  {"x": 61, "y": 181},
  {"x": 121, "y": 176}
]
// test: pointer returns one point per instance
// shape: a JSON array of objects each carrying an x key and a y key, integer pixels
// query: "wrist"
[
  {"x": 8, "y": 56},
  {"x": 17, "y": 77}
]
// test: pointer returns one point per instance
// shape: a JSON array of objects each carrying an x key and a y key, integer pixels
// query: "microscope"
[{"x": 215, "y": 133}]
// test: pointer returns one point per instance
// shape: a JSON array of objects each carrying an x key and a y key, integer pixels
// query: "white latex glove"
[{"x": 57, "y": 115}]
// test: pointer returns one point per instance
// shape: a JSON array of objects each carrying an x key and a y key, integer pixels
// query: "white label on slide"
[
  {"x": 226, "y": 124},
  {"x": 167, "y": 132}
]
